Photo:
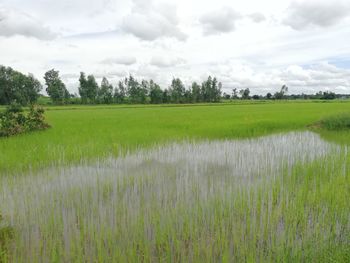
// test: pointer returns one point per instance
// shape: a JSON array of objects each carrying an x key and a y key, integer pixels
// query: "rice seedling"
[
  {"x": 92, "y": 132},
  {"x": 336, "y": 122},
  {"x": 277, "y": 198}
]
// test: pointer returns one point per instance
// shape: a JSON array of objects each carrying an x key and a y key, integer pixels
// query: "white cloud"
[
  {"x": 320, "y": 13},
  {"x": 220, "y": 21},
  {"x": 257, "y": 17},
  {"x": 149, "y": 22},
  {"x": 163, "y": 61},
  {"x": 13, "y": 22},
  {"x": 121, "y": 60},
  {"x": 114, "y": 38}
]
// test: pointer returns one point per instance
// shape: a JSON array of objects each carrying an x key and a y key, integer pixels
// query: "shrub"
[
  {"x": 36, "y": 119},
  {"x": 13, "y": 121},
  {"x": 338, "y": 122}
]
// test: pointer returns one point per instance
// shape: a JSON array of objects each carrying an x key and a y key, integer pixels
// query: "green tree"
[
  {"x": 92, "y": 89},
  {"x": 196, "y": 92},
  {"x": 211, "y": 90},
  {"x": 83, "y": 88},
  {"x": 234, "y": 95},
  {"x": 280, "y": 95},
  {"x": 177, "y": 91},
  {"x": 120, "y": 92},
  {"x": 17, "y": 87},
  {"x": 245, "y": 94},
  {"x": 105, "y": 94},
  {"x": 156, "y": 94},
  {"x": 55, "y": 87}
]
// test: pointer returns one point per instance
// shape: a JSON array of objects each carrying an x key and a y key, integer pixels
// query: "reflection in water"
[{"x": 116, "y": 192}]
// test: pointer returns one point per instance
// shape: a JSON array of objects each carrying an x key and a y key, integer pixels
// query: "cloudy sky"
[{"x": 252, "y": 43}]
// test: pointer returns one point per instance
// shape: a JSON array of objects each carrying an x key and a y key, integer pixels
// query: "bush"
[
  {"x": 338, "y": 122},
  {"x": 13, "y": 121}
]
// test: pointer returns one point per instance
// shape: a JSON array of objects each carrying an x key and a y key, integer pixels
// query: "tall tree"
[
  {"x": 105, "y": 94},
  {"x": 156, "y": 94},
  {"x": 88, "y": 88},
  {"x": 55, "y": 87},
  {"x": 92, "y": 89},
  {"x": 211, "y": 90},
  {"x": 244, "y": 93},
  {"x": 196, "y": 92},
  {"x": 83, "y": 88},
  {"x": 279, "y": 95},
  {"x": 177, "y": 91},
  {"x": 120, "y": 92}
]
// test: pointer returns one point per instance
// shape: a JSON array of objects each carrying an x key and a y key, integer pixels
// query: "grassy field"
[
  {"x": 91, "y": 132},
  {"x": 193, "y": 184}
]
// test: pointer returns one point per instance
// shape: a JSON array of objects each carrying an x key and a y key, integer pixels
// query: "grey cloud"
[
  {"x": 163, "y": 62},
  {"x": 322, "y": 76},
  {"x": 220, "y": 21},
  {"x": 122, "y": 60},
  {"x": 18, "y": 23},
  {"x": 321, "y": 13},
  {"x": 150, "y": 22},
  {"x": 257, "y": 17}
]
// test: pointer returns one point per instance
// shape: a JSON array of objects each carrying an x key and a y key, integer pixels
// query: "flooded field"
[{"x": 233, "y": 199}]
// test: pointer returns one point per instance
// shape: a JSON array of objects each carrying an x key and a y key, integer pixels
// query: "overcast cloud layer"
[{"x": 253, "y": 44}]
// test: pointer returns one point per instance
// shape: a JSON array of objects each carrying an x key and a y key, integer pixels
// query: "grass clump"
[
  {"x": 336, "y": 122},
  {"x": 6, "y": 234}
]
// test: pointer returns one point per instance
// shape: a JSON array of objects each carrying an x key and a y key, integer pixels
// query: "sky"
[{"x": 255, "y": 44}]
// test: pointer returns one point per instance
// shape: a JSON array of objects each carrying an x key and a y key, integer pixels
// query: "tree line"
[
  {"x": 25, "y": 90},
  {"x": 130, "y": 90}
]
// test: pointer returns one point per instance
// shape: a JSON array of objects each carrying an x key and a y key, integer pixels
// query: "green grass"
[
  {"x": 297, "y": 214},
  {"x": 91, "y": 132},
  {"x": 336, "y": 122},
  {"x": 190, "y": 211}
]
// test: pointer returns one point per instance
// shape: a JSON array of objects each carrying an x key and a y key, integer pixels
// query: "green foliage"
[
  {"x": 17, "y": 87},
  {"x": 55, "y": 87},
  {"x": 280, "y": 94},
  {"x": 244, "y": 94},
  {"x": 156, "y": 94},
  {"x": 13, "y": 121},
  {"x": 6, "y": 234},
  {"x": 105, "y": 93},
  {"x": 336, "y": 122}
]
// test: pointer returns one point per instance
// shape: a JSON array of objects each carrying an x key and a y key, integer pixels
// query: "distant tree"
[
  {"x": 17, "y": 87},
  {"x": 166, "y": 96},
  {"x": 156, "y": 94},
  {"x": 120, "y": 92},
  {"x": 256, "y": 97},
  {"x": 92, "y": 89},
  {"x": 105, "y": 93},
  {"x": 177, "y": 91},
  {"x": 268, "y": 96},
  {"x": 196, "y": 92},
  {"x": 328, "y": 95},
  {"x": 211, "y": 90},
  {"x": 137, "y": 92},
  {"x": 83, "y": 90},
  {"x": 245, "y": 94},
  {"x": 143, "y": 91},
  {"x": 280, "y": 95},
  {"x": 226, "y": 96},
  {"x": 55, "y": 87},
  {"x": 234, "y": 94}
]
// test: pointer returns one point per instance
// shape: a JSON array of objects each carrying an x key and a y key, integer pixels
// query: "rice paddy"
[
  {"x": 262, "y": 199},
  {"x": 210, "y": 183}
]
